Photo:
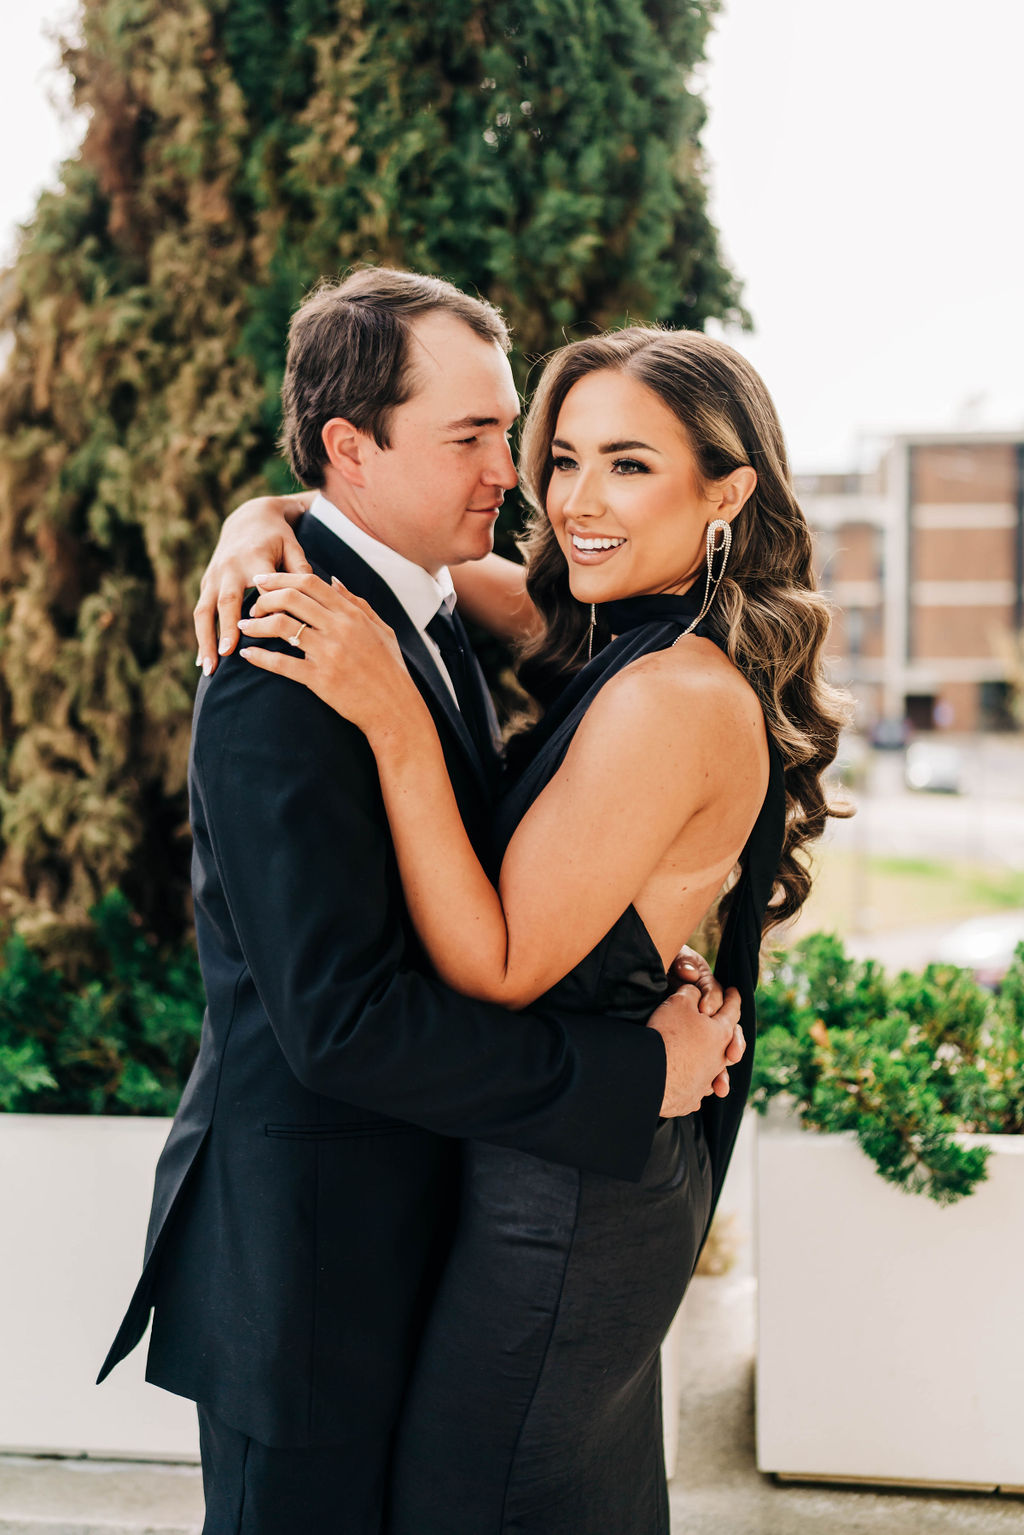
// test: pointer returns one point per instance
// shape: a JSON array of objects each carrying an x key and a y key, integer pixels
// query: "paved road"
[
  {"x": 911, "y": 948},
  {"x": 984, "y": 824},
  {"x": 966, "y": 829}
]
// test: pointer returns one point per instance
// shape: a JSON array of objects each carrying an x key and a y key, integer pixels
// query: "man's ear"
[
  {"x": 346, "y": 449},
  {"x": 731, "y": 494}
]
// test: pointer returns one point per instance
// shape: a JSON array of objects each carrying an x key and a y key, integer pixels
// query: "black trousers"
[
  {"x": 255, "y": 1489},
  {"x": 535, "y": 1402}
]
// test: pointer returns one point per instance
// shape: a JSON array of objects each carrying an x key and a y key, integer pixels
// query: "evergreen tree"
[{"x": 545, "y": 155}]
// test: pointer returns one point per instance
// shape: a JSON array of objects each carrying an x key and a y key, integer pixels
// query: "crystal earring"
[{"x": 719, "y": 542}]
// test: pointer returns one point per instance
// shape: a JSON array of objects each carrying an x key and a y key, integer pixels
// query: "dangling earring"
[
  {"x": 716, "y": 552},
  {"x": 590, "y": 631}
]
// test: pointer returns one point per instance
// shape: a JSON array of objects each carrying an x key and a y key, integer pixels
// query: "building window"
[
  {"x": 921, "y": 710},
  {"x": 995, "y": 706}
]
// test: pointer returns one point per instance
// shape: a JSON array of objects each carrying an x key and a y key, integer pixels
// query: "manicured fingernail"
[
  {"x": 247, "y": 653},
  {"x": 224, "y": 647},
  {"x": 687, "y": 964},
  {"x": 199, "y": 660},
  {"x": 259, "y": 580},
  {"x": 207, "y": 668}
]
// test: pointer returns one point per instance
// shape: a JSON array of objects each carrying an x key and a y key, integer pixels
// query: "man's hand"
[
  {"x": 257, "y": 536},
  {"x": 699, "y": 1049}
]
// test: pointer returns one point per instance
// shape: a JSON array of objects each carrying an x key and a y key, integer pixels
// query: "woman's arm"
[
  {"x": 639, "y": 768},
  {"x": 256, "y": 536},
  {"x": 492, "y": 592}
]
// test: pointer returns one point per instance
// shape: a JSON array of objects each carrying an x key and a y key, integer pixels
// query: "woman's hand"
[
  {"x": 692, "y": 969},
  {"x": 351, "y": 659},
  {"x": 256, "y": 536}
]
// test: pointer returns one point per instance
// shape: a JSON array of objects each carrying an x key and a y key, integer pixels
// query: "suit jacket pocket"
[{"x": 338, "y": 1132}]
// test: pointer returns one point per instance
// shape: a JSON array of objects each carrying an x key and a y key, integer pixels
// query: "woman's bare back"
[{"x": 697, "y": 863}]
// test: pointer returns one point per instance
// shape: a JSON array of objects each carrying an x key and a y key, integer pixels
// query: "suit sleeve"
[{"x": 289, "y": 798}]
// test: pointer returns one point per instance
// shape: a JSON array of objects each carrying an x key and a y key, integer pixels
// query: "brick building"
[{"x": 924, "y": 559}]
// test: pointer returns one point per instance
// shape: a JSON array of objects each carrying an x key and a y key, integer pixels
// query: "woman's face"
[{"x": 625, "y": 500}]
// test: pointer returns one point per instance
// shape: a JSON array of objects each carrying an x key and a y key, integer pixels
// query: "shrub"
[
  {"x": 117, "y": 1037},
  {"x": 905, "y": 1062}
]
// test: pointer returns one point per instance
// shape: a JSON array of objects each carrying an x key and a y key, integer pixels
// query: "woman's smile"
[{"x": 592, "y": 548}]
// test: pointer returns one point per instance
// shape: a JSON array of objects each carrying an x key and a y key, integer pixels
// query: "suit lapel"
[{"x": 337, "y": 559}]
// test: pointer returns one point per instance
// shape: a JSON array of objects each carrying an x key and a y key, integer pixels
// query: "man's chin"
[{"x": 477, "y": 546}]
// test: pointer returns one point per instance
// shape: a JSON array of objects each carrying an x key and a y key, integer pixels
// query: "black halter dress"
[{"x": 535, "y": 1407}]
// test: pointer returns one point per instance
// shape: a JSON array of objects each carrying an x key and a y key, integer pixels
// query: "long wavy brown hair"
[{"x": 768, "y": 613}]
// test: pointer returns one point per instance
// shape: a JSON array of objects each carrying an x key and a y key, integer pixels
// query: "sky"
[
  {"x": 864, "y": 171},
  {"x": 865, "y": 177}
]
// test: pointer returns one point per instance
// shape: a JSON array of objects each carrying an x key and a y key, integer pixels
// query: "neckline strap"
[{"x": 627, "y": 613}]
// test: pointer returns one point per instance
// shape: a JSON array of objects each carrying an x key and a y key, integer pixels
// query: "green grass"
[{"x": 877, "y": 894}]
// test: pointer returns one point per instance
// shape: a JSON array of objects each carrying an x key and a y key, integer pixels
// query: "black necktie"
[{"x": 461, "y": 668}]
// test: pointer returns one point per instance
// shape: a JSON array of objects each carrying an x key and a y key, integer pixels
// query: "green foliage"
[
  {"x": 905, "y": 1063},
  {"x": 117, "y": 1038},
  {"x": 547, "y": 155}
]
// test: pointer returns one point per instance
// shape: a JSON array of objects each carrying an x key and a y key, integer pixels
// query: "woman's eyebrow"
[{"x": 606, "y": 447}]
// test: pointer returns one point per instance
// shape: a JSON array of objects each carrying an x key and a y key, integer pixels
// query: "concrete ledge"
[
  {"x": 92, "y": 1497},
  {"x": 61, "y": 1527}
]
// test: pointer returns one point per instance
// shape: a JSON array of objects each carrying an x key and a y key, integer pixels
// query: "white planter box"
[
  {"x": 890, "y": 1342},
  {"x": 74, "y": 1201}
]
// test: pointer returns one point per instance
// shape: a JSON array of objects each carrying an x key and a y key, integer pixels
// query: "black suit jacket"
[{"x": 307, "y": 1187}]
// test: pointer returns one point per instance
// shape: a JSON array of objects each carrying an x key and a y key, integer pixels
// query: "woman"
[{"x": 679, "y": 649}]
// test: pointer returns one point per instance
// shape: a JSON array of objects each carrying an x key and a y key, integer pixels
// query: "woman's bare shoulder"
[
  {"x": 665, "y": 725},
  {"x": 690, "y": 687}
]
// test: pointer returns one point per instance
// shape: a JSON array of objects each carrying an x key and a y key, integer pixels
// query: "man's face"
[{"x": 434, "y": 494}]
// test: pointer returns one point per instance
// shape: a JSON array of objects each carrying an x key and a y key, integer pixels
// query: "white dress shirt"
[{"x": 420, "y": 593}]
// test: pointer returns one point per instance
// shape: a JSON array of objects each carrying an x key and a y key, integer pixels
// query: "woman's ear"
[
  {"x": 345, "y": 448},
  {"x": 731, "y": 494}
]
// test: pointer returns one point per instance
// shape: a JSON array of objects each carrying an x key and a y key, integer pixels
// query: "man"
[{"x": 307, "y": 1190}]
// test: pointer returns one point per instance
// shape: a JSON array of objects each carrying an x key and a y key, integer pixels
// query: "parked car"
[
  {"x": 933, "y": 766},
  {"x": 890, "y": 735},
  {"x": 984, "y": 945}
]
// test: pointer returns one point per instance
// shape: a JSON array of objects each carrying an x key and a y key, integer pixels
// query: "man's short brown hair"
[{"x": 348, "y": 355}]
